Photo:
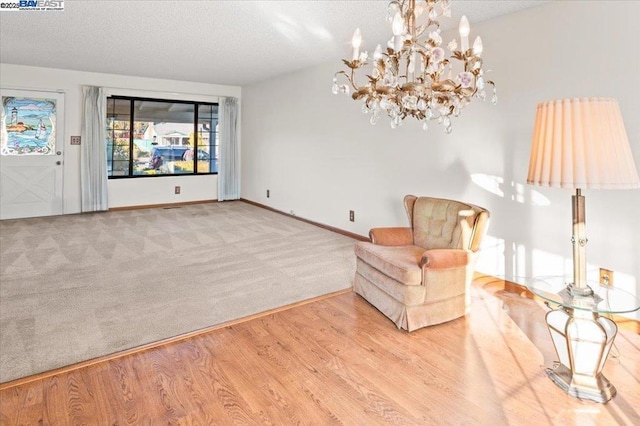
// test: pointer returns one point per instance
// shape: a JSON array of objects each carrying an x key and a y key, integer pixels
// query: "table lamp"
[{"x": 581, "y": 143}]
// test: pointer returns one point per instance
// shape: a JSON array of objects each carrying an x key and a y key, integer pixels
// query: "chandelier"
[{"x": 412, "y": 76}]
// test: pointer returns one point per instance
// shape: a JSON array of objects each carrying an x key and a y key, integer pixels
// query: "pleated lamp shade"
[{"x": 581, "y": 143}]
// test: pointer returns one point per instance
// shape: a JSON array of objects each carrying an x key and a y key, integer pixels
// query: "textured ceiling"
[{"x": 234, "y": 42}]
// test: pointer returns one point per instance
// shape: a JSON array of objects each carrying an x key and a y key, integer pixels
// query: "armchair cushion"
[
  {"x": 402, "y": 263},
  {"x": 404, "y": 294},
  {"x": 440, "y": 223}
]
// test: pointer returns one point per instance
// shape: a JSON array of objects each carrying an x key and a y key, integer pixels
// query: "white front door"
[{"x": 31, "y": 153}]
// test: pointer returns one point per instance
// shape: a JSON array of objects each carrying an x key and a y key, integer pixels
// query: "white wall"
[
  {"x": 122, "y": 192},
  {"x": 320, "y": 157}
]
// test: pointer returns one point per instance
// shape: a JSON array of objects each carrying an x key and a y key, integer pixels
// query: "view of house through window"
[{"x": 151, "y": 137}]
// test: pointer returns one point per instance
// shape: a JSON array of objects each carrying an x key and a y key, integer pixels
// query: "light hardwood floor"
[{"x": 339, "y": 361}]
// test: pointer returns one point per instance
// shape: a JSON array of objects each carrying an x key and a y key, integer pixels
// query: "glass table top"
[{"x": 605, "y": 299}]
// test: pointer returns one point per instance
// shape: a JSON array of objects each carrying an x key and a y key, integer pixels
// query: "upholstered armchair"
[{"x": 420, "y": 275}]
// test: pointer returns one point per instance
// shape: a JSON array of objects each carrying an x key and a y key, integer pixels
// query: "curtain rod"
[
  {"x": 30, "y": 89},
  {"x": 165, "y": 93}
]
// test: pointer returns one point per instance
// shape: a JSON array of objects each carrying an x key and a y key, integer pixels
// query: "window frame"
[{"x": 132, "y": 100}]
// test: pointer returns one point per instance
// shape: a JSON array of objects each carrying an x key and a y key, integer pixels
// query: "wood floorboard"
[{"x": 338, "y": 361}]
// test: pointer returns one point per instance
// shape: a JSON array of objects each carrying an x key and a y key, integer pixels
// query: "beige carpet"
[{"x": 78, "y": 287}]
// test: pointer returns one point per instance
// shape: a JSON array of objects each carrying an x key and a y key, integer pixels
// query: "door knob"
[
  {"x": 58, "y": 152},
  {"x": 58, "y": 162}
]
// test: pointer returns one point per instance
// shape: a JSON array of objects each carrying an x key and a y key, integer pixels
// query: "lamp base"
[
  {"x": 562, "y": 376},
  {"x": 576, "y": 291},
  {"x": 582, "y": 340}
]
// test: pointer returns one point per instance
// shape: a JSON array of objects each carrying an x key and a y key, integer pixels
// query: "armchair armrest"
[
  {"x": 445, "y": 258},
  {"x": 391, "y": 236}
]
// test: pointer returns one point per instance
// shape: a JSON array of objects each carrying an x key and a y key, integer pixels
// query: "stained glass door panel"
[{"x": 31, "y": 153}]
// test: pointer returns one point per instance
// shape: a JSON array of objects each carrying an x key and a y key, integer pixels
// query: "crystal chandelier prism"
[{"x": 413, "y": 76}]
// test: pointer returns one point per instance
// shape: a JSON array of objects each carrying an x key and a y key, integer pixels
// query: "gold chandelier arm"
[
  {"x": 425, "y": 59},
  {"x": 411, "y": 19},
  {"x": 350, "y": 78},
  {"x": 469, "y": 64}
]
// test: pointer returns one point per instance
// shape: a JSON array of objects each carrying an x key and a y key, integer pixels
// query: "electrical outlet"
[
  {"x": 606, "y": 277},
  {"x": 268, "y": 193},
  {"x": 176, "y": 190},
  {"x": 352, "y": 216}
]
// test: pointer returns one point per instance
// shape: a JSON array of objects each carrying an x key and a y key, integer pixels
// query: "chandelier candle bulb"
[
  {"x": 355, "y": 42},
  {"x": 464, "y": 33},
  {"x": 397, "y": 27},
  {"x": 477, "y": 46},
  {"x": 411, "y": 67},
  {"x": 377, "y": 54}
]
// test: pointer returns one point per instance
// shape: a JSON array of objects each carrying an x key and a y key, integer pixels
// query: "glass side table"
[{"x": 582, "y": 338}]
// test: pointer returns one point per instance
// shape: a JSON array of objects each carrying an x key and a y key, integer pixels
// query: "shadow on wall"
[
  {"x": 509, "y": 258},
  {"x": 518, "y": 192}
]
